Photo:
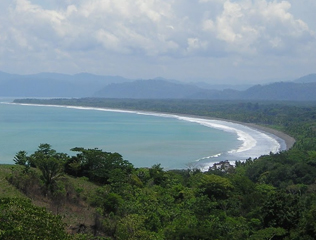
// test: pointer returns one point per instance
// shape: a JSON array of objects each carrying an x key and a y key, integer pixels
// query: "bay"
[{"x": 143, "y": 139}]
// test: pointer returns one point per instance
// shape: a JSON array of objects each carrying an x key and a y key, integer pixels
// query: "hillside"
[
  {"x": 15, "y": 183},
  {"x": 6, "y": 189}
]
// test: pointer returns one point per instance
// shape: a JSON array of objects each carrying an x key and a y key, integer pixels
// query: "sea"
[{"x": 143, "y": 138}]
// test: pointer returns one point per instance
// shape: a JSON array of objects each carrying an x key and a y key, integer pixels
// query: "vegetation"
[
  {"x": 22, "y": 220},
  {"x": 271, "y": 197}
]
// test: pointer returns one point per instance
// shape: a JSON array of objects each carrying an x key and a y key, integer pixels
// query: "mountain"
[
  {"x": 150, "y": 89},
  {"x": 163, "y": 89},
  {"x": 5, "y": 76},
  {"x": 205, "y": 85},
  {"x": 285, "y": 91},
  {"x": 306, "y": 79},
  {"x": 53, "y": 84},
  {"x": 87, "y": 85}
]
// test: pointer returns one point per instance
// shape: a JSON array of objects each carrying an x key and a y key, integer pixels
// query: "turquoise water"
[{"x": 144, "y": 140}]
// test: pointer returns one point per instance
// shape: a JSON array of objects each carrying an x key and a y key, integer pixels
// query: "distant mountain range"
[
  {"x": 54, "y": 84},
  {"x": 90, "y": 85},
  {"x": 302, "y": 89},
  {"x": 311, "y": 78},
  {"x": 153, "y": 89}
]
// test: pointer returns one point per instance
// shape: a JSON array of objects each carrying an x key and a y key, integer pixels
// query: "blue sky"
[{"x": 217, "y": 41}]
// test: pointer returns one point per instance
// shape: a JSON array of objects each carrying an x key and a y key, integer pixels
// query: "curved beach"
[
  {"x": 289, "y": 141},
  {"x": 254, "y": 140}
]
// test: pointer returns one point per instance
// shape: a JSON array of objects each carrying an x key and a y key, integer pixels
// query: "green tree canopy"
[{"x": 22, "y": 220}]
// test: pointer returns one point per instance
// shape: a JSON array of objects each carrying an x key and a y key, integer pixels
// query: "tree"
[
  {"x": 50, "y": 163},
  {"x": 21, "y": 220},
  {"x": 157, "y": 174},
  {"x": 268, "y": 233},
  {"x": 98, "y": 165},
  {"x": 45, "y": 151},
  {"x": 112, "y": 202},
  {"x": 281, "y": 210},
  {"x": 52, "y": 169},
  {"x": 131, "y": 227},
  {"x": 21, "y": 158},
  {"x": 215, "y": 186}
]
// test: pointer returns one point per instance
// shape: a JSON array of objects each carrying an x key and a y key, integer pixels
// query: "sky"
[{"x": 215, "y": 41}]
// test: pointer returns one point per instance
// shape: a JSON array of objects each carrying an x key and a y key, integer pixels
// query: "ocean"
[{"x": 144, "y": 139}]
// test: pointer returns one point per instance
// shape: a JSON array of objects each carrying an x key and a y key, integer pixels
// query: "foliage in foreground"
[
  {"x": 20, "y": 219},
  {"x": 258, "y": 199}
]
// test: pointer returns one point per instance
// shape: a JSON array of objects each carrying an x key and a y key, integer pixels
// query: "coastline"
[
  {"x": 284, "y": 141},
  {"x": 289, "y": 141}
]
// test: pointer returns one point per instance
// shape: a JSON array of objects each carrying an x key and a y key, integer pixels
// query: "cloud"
[
  {"x": 259, "y": 27},
  {"x": 155, "y": 27},
  {"x": 151, "y": 30}
]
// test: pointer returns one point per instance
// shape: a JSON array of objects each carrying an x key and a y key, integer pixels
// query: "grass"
[
  {"x": 75, "y": 206},
  {"x": 6, "y": 189}
]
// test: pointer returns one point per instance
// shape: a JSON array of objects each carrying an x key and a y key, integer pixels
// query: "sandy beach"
[
  {"x": 289, "y": 141},
  {"x": 255, "y": 140}
]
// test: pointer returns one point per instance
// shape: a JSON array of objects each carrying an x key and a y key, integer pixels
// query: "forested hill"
[{"x": 102, "y": 196}]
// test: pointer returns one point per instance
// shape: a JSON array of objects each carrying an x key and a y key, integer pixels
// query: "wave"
[
  {"x": 247, "y": 140},
  {"x": 209, "y": 157}
]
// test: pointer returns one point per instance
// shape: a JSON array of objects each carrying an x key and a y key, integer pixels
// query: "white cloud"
[
  {"x": 144, "y": 26},
  {"x": 151, "y": 31},
  {"x": 259, "y": 26},
  {"x": 108, "y": 40},
  {"x": 195, "y": 44}
]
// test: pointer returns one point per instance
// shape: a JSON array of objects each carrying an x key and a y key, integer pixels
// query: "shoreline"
[
  {"x": 288, "y": 140},
  {"x": 283, "y": 142}
]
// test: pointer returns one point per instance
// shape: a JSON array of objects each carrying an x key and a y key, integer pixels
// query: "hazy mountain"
[
  {"x": 5, "y": 76},
  {"x": 155, "y": 89},
  {"x": 53, "y": 84},
  {"x": 306, "y": 79},
  {"x": 226, "y": 94},
  {"x": 205, "y": 85},
  {"x": 151, "y": 89},
  {"x": 87, "y": 85},
  {"x": 288, "y": 91},
  {"x": 280, "y": 91}
]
